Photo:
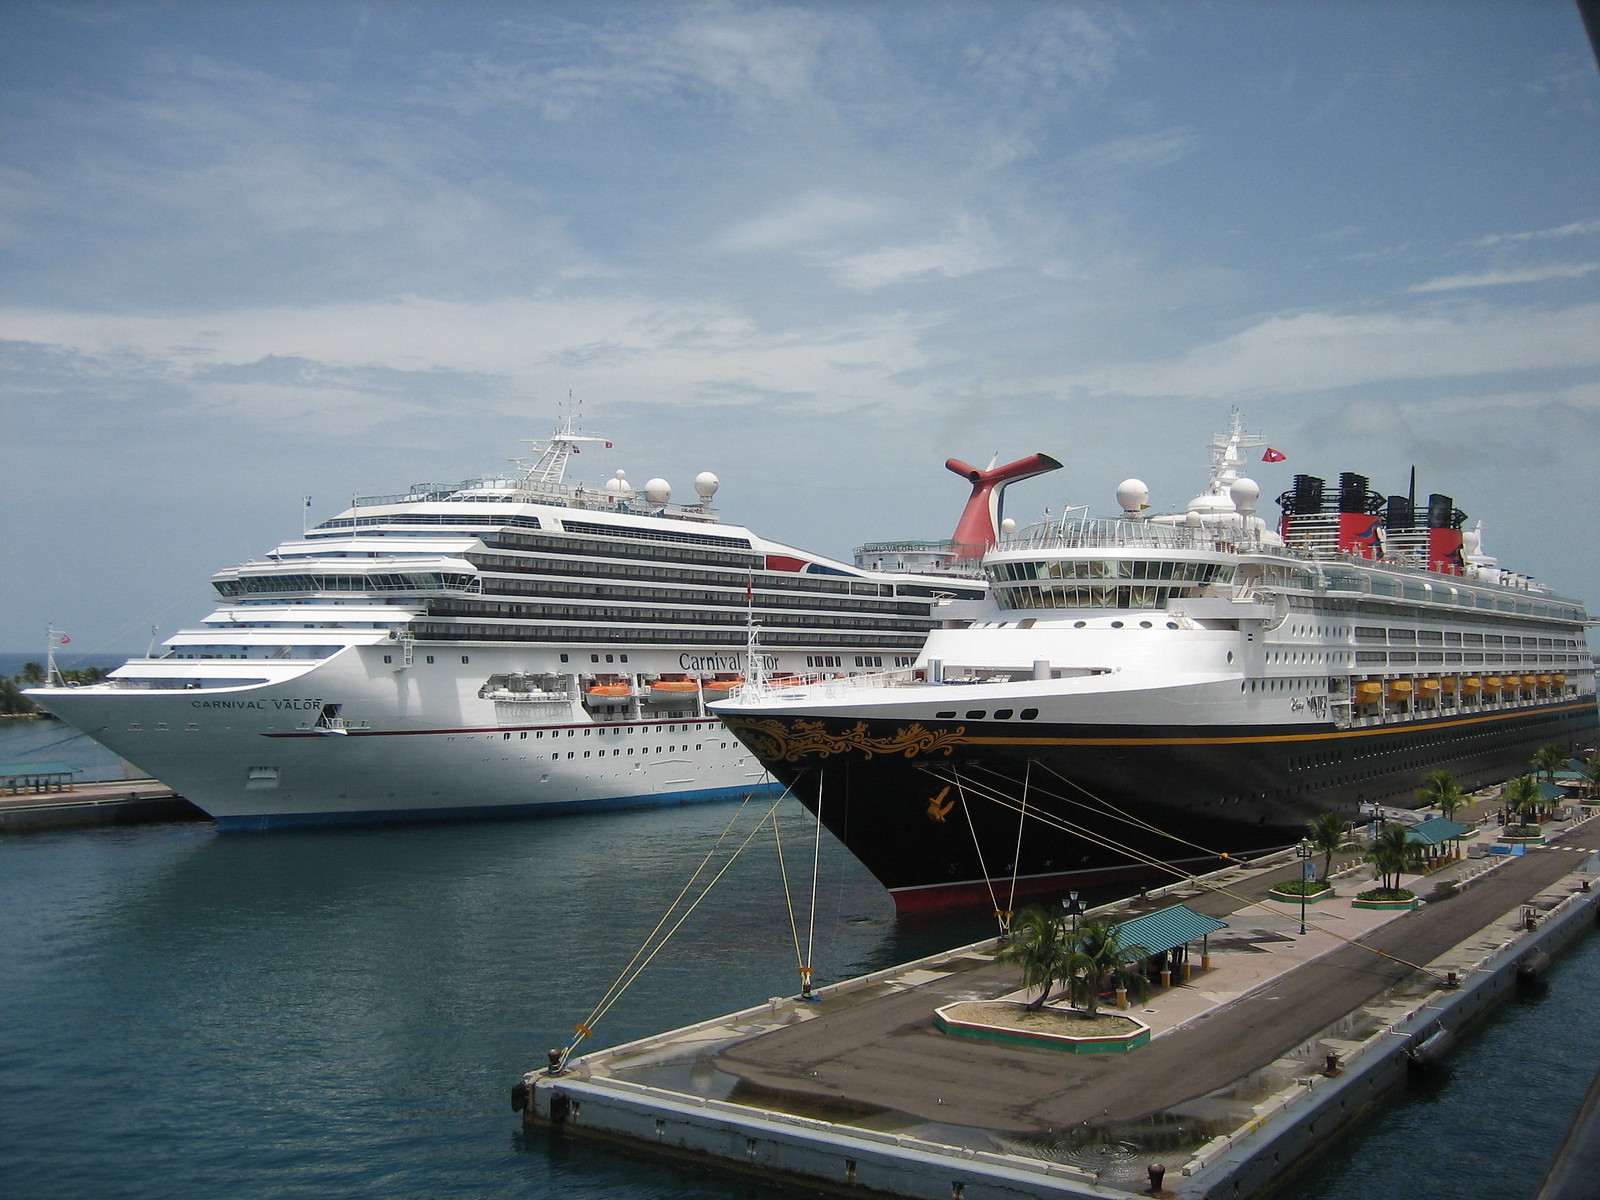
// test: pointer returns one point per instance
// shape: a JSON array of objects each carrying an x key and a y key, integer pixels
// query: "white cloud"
[
  {"x": 1316, "y": 351},
  {"x": 1501, "y": 278},
  {"x": 1572, "y": 229},
  {"x": 805, "y": 219}
]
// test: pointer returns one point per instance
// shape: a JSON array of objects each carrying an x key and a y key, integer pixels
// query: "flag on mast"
[{"x": 1273, "y": 455}]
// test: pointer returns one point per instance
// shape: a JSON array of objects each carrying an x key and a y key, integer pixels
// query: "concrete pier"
[
  {"x": 1255, "y": 1065},
  {"x": 113, "y": 802}
]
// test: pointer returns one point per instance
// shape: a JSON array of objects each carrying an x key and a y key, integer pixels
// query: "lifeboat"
[
  {"x": 1369, "y": 693},
  {"x": 672, "y": 690},
  {"x": 1450, "y": 683},
  {"x": 607, "y": 693},
  {"x": 1399, "y": 689},
  {"x": 1529, "y": 682},
  {"x": 718, "y": 688},
  {"x": 1494, "y": 684},
  {"x": 1471, "y": 685},
  {"x": 1559, "y": 680},
  {"x": 1546, "y": 683},
  {"x": 1427, "y": 689}
]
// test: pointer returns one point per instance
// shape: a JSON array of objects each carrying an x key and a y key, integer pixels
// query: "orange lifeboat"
[
  {"x": 1369, "y": 692},
  {"x": 1450, "y": 683},
  {"x": 674, "y": 688},
  {"x": 1494, "y": 684},
  {"x": 718, "y": 688},
  {"x": 1471, "y": 685},
  {"x": 607, "y": 692},
  {"x": 1427, "y": 689},
  {"x": 1399, "y": 689}
]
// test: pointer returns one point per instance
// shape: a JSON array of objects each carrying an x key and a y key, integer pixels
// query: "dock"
[
  {"x": 78, "y": 805},
  {"x": 1254, "y": 1065}
]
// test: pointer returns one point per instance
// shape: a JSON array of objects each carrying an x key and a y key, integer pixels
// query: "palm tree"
[
  {"x": 1548, "y": 761},
  {"x": 1098, "y": 961},
  {"x": 1325, "y": 832},
  {"x": 31, "y": 673},
  {"x": 1038, "y": 948},
  {"x": 1390, "y": 854},
  {"x": 1521, "y": 796},
  {"x": 1440, "y": 790},
  {"x": 1591, "y": 773}
]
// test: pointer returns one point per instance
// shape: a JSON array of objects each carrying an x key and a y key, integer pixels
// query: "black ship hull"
[{"x": 958, "y": 813}]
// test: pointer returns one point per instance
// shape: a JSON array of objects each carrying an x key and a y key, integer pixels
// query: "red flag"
[
  {"x": 65, "y": 639},
  {"x": 1273, "y": 455},
  {"x": 609, "y": 446}
]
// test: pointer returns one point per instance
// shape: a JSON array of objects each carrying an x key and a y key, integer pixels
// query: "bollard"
[
  {"x": 1157, "y": 1172},
  {"x": 1331, "y": 1065},
  {"x": 555, "y": 1062}
]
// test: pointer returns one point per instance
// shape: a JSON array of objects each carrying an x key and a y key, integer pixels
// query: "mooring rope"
[
  {"x": 640, "y": 960},
  {"x": 1146, "y": 859}
]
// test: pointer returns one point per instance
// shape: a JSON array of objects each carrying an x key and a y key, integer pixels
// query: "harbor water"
[{"x": 343, "y": 1013}]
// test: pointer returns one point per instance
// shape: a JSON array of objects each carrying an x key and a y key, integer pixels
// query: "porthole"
[
  {"x": 977, "y": 714},
  {"x": 1029, "y": 714},
  {"x": 1002, "y": 714},
  {"x": 946, "y": 714},
  {"x": 1145, "y": 625},
  {"x": 1079, "y": 624},
  {"x": 1116, "y": 624}
]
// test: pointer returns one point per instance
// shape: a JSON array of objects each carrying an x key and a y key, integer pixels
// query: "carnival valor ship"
[
  {"x": 508, "y": 645},
  {"x": 1150, "y": 692}
]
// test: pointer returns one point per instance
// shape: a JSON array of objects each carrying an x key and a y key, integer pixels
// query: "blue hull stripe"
[{"x": 481, "y": 812}]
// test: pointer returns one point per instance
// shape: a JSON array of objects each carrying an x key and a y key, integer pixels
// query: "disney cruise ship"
[
  {"x": 506, "y": 645},
  {"x": 1179, "y": 689}
]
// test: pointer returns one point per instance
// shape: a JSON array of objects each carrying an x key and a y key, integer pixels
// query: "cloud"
[
  {"x": 1318, "y": 351},
  {"x": 807, "y": 218},
  {"x": 1573, "y": 229},
  {"x": 1158, "y": 148},
  {"x": 1501, "y": 278}
]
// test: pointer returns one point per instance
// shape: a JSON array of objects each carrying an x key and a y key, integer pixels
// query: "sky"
[{"x": 256, "y": 251}]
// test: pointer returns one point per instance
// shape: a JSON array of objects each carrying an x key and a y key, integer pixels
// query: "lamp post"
[
  {"x": 1072, "y": 905},
  {"x": 1303, "y": 851}
]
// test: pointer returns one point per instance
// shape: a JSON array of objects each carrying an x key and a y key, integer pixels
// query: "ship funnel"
[{"x": 978, "y": 529}]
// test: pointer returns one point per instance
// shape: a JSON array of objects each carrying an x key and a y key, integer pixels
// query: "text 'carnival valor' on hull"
[
  {"x": 509, "y": 645},
  {"x": 1156, "y": 692}
]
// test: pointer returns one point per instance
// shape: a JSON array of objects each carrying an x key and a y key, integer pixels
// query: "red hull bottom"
[{"x": 1003, "y": 893}]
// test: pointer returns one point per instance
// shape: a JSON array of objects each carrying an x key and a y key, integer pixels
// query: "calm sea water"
[{"x": 343, "y": 1013}]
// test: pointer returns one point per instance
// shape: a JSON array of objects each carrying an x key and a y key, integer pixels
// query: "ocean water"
[{"x": 344, "y": 1012}]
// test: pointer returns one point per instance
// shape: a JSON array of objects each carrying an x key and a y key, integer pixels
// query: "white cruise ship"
[
  {"x": 1176, "y": 689},
  {"x": 507, "y": 645}
]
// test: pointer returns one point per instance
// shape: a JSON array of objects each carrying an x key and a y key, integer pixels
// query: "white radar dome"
[
  {"x": 1008, "y": 526},
  {"x": 1133, "y": 495},
  {"x": 658, "y": 491},
  {"x": 706, "y": 485},
  {"x": 618, "y": 485},
  {"x": 1245, "y": 493}
]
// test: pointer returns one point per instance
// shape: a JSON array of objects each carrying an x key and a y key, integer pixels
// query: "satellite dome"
[
  {"x": 1008, "y": 526},
  {"x": 1132, "y": 496},
  {"x": 1245, "y": 492},
  {"x": 658, "y": 491},
  {"x": 618, "y": 485},
  {"x": 706, "y": 484}
]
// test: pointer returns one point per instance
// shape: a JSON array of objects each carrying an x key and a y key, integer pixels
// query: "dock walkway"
[{"x": 1228, "y": 1047}]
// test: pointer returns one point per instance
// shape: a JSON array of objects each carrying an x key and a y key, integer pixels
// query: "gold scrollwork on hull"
[{"x": 789, "y": 741}]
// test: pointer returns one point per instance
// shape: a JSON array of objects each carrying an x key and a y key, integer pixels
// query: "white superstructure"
[{"x": 507, "y": 644}]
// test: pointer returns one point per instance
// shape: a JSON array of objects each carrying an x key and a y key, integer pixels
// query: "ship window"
[
  {"x": 594, "y": 658},
  {"x": 610, "y": 658},
  {"x": 1079, "y": 624},
  {"x": 1002, "y": 714},
  {"x": 464, "y": 659},
  {"x": 949, "y": 713},
  {"x": 430, "y": 658},
  {"x": 388, "y": 658},
  {"x": 976, "y": 714},
  {"x": 1029, "y": 714},
  {"x": 563, "y": 658},
  {"x": 1144, "y": 625}
]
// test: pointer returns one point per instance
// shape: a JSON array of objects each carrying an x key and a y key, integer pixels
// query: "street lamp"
[
  {"x": 1073, "y": 906},
  {"x": 1303, "y": 851}
]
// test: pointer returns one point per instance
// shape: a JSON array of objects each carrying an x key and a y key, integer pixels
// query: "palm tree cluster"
[{"x": 1086, "y": 962}]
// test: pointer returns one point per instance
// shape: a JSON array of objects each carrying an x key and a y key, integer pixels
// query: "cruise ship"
[
  {"x": 1158, "y": 693},
  {"x": 509, "y": 645}
]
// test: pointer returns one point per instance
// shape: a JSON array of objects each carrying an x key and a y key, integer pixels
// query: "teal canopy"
[
  {"x": 1159, "y": 931},
  {"x": 1436, "y": 830}
]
